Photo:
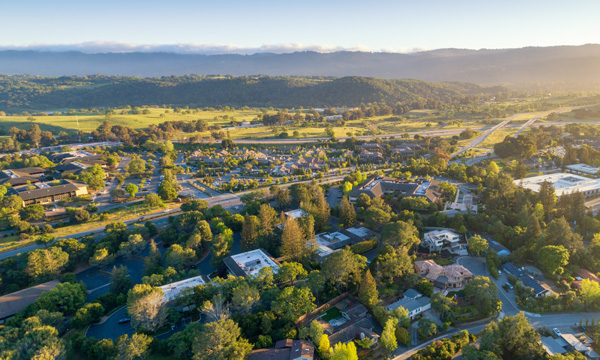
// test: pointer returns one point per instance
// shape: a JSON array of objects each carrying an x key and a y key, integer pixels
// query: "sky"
[{"x": 237, "y": 26}]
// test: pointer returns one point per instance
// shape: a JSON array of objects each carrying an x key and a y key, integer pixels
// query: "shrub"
[{"x": 363, "y": 246}]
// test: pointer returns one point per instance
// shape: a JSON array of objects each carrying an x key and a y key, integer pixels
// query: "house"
[
  {"x": 335, "y": 240},
  {"x": 250, "y": 263},
  {"x": 287, "y": 349},
  {"x": 569, "y": 343},
  {"x": 500, "y": 249},
  {"x": 379, "y": 186},
  {"x": 355, "y": 322},
  {"x": 584, "y": 274},
  {"x": 295, "y": 214},
  {"x": 439, "y": 240},
  {"x": 443, "y": 277},
  {"x": 47, "y": 194},
  {"x": 413, "y": 301},
  {"x": 539, "y": 288},
  {"x": 15, "y": 302},
  {"x": 371, "y": 156}
]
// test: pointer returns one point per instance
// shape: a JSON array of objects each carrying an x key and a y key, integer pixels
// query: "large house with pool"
[{"x": 380, "y": 186}]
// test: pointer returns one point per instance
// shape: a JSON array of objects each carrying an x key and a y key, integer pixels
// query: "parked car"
[
  {"x": 509, "y": 286},
  {"x": 556, "y": 332},
  {"x": 124, "y": 320}
]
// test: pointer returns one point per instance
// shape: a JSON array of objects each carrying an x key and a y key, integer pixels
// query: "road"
[{"x": 565, "y": 322}]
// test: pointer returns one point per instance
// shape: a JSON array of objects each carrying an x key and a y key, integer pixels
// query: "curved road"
[{"x": 563, "y": 321}]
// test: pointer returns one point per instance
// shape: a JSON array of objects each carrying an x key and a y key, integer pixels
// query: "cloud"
[{"x": 93, "y": 47}]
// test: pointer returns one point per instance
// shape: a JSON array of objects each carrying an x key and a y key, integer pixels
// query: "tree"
[
  {"x": 343, "y": 267},
  {"x": 101, "y": 257},
  {"x": 293, "y": 244},
  {"x": 477, "y": 245},
  {"x": 425, "y": 287},
  {"x": 347, "y": 214},
  {"x": 484, "y": 293},
  {"x": 221, "y": 340},
  {"x": 324, "y": 346},
  {"x": 93, "y": 177},
  {"x": 367, "y": 292},
  {"x": 363, "y": 201},
  {"x": 131, "y": 189},
  {"x": 136, "y": 165},
  {"x": 120, "y": 282},
  {"x": 194, "y": 205},
  {"x": 35, "y": 134},
  {"x": 293, "y": 302},
  {"x": 146, "y": 306},
  {"x": 167, "y": 190},
  {"x": 347, "y": 187},
  {"x": 79, "y": 216},
  {"x": 553, "y": 258},
  {"x": 43, "y": 264},
  {"x": 388, "y": 336},
  {"x": 427, "y": 328},
  {"x": 32, "y": 212},
  {"x": 558, "y": 232},
  {"x": 493, "y": 168},
  {"x": 220, "y": 249},
  {"x": 244, "y": 297},
  {"x": 400, "y": 234},
  {"x": 134, "y": 347},
  {"x": 12, "y": 202},
  {"x": 44, "y": 240},
  {"x": 65, "y": 298},
  {"x": 267, "y": 217},
  {"x": 376, "y": 218},
  {"x": 391, "y": 264},
  {"x": 180, "y": 258},
  {"x": 590, "y": 293},
  {"x": 315, "y": 282},
  {"x": 547, "y": 196},
  {"x": 88, "y": 314},
  {"x": 249, "y": 237},
  {"x": 343, "y": 351},
  {"x": 289, "y": 271},
  {"x": 512, "y": 338}
]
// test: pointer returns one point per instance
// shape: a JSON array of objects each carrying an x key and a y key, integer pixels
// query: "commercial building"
[
  {"x": 250, "y": 263},
  {"x": 23, "y": 176},
  {"x": 582, "y": 169},
  {"x": 379, "y": 186},
  {"x": 563, "y": 183},
  {"x": 12, "y": 303},
  {"x": 174, "y": 290},
  {"x": 47, "y": 194}
]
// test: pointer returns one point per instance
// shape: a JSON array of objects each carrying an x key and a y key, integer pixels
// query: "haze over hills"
[{"x": 540, "y": 65}]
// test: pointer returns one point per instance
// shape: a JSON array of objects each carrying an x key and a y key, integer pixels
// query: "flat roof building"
[
  {"x": 250, "y": 263},
  {"x": 563, "y": 183},
  {"x": 174, "y": 290},
  {"x": 583, "y": 169}
]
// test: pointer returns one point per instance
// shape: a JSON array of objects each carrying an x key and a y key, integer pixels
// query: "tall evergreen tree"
[
  {"x": 250, "y": 233},
  {"x": 367, "y": 292},
  {"x": 292, "y": 240},
  {"x": 547, "y": 197},
  {"x": 347, "y": 213}
]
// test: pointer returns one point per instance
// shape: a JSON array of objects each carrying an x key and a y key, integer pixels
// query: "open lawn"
[{"x": 332, "y": 313}]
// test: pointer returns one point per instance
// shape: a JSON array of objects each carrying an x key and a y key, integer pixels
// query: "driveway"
[
  {"x": 478, "y": 267},
  {"x": 111, "y": 329}
]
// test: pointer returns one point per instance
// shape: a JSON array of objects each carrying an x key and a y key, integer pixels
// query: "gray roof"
[
  {"x": 412, "y": 294},
  {"x": 12, "y": 303},
  {"x": 50, "y": 191},
  {"x": 552, "y": 346},
  {"x": 532, "y": 283}
]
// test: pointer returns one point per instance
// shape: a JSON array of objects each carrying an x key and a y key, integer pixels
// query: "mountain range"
[{"x": 530, "y": 65}]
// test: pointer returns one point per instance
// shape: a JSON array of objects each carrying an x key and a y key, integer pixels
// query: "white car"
[{"x": 556, "y": 332}]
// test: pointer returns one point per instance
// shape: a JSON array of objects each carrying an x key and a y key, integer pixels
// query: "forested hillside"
[{"x": 46, "y": 93}]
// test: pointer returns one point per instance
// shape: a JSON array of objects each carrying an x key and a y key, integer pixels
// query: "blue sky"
[{"x": 269, "y": 25}]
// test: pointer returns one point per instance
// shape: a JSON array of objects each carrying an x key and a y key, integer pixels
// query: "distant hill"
[
  {"x": 39, "y": 93},
  {"x": 540, "y": 65}
]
